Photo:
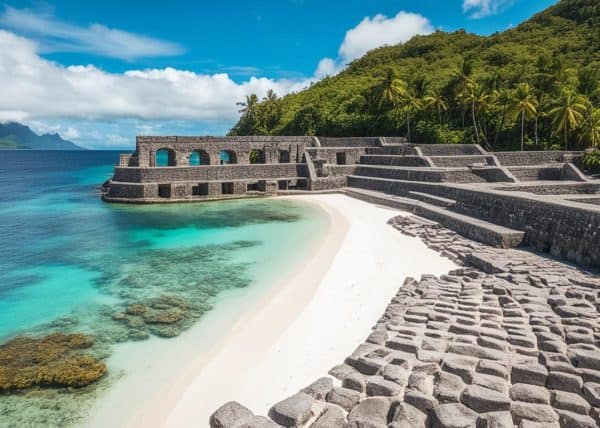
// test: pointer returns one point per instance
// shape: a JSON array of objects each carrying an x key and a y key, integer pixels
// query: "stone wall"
[
  {"x": 146, "y": 148},
  {"x": 350, "y": 141},
  {"x": 536, "y": 157},
  {"x": 209, "y": 173}
]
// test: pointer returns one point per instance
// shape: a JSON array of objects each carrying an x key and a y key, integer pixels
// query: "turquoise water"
[{"x": 70, "y": 262}]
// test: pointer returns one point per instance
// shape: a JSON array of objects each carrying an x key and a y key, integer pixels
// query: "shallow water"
[{"x": 69, "y": 262}]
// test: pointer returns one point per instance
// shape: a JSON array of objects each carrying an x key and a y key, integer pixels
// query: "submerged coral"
[
  {"x": 164, "y": 316},
  {"x": 50, "y": 361}
]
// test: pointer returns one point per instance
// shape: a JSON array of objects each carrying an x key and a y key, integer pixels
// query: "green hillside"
[{"x": 540, "y": 80}]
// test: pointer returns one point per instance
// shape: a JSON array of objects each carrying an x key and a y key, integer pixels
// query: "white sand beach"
[{"x": 309, "y": 323}]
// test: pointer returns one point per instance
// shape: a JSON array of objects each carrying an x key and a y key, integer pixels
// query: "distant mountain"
[{"x": 16, "y": 136}]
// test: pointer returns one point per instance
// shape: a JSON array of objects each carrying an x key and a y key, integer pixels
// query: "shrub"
[{"x": 591, "y": 161}]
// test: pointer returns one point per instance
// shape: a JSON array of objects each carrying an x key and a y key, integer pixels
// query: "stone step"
[
  {"x": 425, "y": 174},
  {"x": 470, "y": 227},
  {"x": 461, "y": 160},
  {"x": 432, "y": 199},
  {"x": 394, "y": 160}
]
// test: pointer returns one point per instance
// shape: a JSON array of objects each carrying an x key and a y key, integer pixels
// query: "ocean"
[{"x": 71, "y": 263}]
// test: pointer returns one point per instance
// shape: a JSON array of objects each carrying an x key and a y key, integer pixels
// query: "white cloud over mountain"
[
  {"x": 381, "y": 30},
  {"x": 70, "y": 99}
]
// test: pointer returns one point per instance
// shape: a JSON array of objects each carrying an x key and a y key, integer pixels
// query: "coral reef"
[{"x": 50, "y": 361}]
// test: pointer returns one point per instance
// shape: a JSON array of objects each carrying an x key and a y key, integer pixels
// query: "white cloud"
[
  {"x": 57, "y": 36},
  {"x": 381, "y": 30},
  {"x": 327, "y": 67},
  {"x": 483, "y": 8},
  {"x": 35, "y": 88}
]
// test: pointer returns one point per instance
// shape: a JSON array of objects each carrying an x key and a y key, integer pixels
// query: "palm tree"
[
  {"x": 524, "y": 105},
  {"x": 410, "y": 104},
  {"x": 590, "y": 128},
  {"x": 390, "y": 88},
  {"x": 567, "y": 114},
  {"x": 436, "y": 100},
  {"x": 249, "y": 105},
  {"x": 476, "y": 97},
  {"x": 462, "y": 78}
]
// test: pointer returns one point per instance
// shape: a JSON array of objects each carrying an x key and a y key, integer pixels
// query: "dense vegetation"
[{"x": 536, "y": 86}]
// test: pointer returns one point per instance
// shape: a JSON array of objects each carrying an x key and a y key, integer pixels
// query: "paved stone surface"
[
  {"x": 510, "y": 338},
  {"x": 293, "y": 411}
]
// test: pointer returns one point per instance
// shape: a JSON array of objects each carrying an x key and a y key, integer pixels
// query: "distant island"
[{"x": 17, "y": 136}]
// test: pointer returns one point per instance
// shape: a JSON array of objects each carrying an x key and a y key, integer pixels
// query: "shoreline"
[
  {"x": 341, "y": 310},
  {"x": 117, "y": 403},
  {"x": 323, "y": 309}
]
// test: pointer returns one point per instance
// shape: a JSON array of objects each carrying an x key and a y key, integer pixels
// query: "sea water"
[{"x": 69, "y": 262}]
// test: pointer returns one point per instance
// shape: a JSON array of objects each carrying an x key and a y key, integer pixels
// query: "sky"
[{"x": 101, "y": 72}]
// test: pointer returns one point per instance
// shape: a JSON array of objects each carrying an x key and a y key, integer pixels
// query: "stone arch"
[
  {"x": 227, "y": 157},
  {"x": 165, "y": 157},
  {"x": 199, "y": 157},
  {"x": 257, "y": 156}
]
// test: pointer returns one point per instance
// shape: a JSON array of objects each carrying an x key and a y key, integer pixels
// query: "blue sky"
[{"x": 101, "y": 73}]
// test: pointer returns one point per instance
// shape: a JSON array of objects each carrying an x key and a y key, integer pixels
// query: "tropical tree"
[
  {"x": 590, "y": 128},
  {"x": 390, "y": 88},
  {"x": 477, "y": 99},
  {"x": 567, "y": 114},
  {"x": 410, "y": 105},
  {"x": 249, "y": 105},
  {"x": 525, "y": 106},
  {"x": 435, "y": 99}
]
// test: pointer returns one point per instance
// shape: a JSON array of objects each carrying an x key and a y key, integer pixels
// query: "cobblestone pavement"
[{"x": 509, "y": 339}]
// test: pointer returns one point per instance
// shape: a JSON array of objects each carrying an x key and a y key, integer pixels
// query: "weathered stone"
[
  {"x": 484, "y": 400},
  {"x": 230, "y": 415},
  {"x": 529, "y": 393},
  {"x": 460, "y": 366},
  {"x": 533, "y": 412},
  {"x": 320, "y": 388},
  {"x": 570, "y": 401},
  {"x": 371, "y": 412},
  {"x": 564, "y": 382},
  {"x": 369, "y": 366},
  {"x": 529, "y": 372},
  {"x": 454, "y": 415},
  {"x": 495, "y": 420},
  {"x": 395, "y": 374},
  {"x": 341, "y": 371},
  {"x": 293, "y": 411},
  {"x": 491, "y": 382},
  {"x": 585, "y": 359},
  {"x": 448, "y": 388},
  {"x": 344, "y": 397},
  {"x": 419, "y": 400},
  {"x": 378, "y": 386},
  {"x": 258, "y": 422},
  {"x": 575, "y": 420},
  {"x": 355, "y": 381},
  {"x": 591, "y": 392},
  {"x": 407, "y": 416},
  {"x": 331, "y": 417},
  {"x": 492, "y": 368}
]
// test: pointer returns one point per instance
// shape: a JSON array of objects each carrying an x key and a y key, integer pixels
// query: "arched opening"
[
  {"x": 284, "y": 156},
  {"x": 227, "y": 157},
  {"x": 199, "y": 157},
  {"x": 257, "y": 156},
  {"x": 165, "y": 157}
]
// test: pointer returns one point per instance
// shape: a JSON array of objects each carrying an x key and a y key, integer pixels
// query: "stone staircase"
[{"x": 435, "y": 208}]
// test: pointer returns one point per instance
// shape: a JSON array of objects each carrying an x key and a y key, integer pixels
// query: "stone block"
[
  {"x": 229, "y": 415},
  {"x": 293, "y": 411}
]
